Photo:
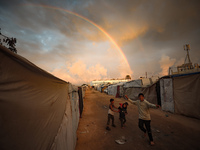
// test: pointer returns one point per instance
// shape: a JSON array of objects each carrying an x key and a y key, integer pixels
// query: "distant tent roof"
[
  {"x": 33, "y": 104},
  {"x": 133, "y": 83}
]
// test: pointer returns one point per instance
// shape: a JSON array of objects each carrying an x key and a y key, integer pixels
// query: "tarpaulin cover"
[
  {"x": 149, "y": 93},
  {"x": 133, "y": 83},
  {"x": 187, "y": 95},
  {"x": 35, "y": 108},
  {"x": 112, "y": 90},
  {"x": 166, "y": 94}
]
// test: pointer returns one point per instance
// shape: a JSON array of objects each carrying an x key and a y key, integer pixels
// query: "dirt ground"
[{"x": 169, "y": 131}]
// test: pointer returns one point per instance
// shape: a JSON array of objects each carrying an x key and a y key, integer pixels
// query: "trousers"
[
  {"x": 110, "y": 117},
  {"x": 147, "y": 124},
  {"x": 123, "y": 121}
]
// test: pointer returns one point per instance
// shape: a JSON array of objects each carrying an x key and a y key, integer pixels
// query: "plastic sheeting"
[
  {"x": 36, "y": 111},
  {"x": 133, "y": 83},
  {"x": 149, "y": 93},
  {"x": 112, "y": 90},
  {"x": 166, "y": 90},
  {"x": 187, "y": 95}
]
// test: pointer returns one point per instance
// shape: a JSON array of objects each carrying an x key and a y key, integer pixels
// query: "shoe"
[
  {"x": 114, "y": 125},
  {"x": 107, "y": 128}
]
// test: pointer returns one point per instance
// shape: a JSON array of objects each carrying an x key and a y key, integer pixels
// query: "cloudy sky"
[{"x": 76, "y": 47}]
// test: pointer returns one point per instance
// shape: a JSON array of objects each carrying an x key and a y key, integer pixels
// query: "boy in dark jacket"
[{"x": 122, "y": 113}]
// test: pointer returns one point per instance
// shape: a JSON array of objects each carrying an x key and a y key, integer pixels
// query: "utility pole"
[{"x": 187, "y": 48}]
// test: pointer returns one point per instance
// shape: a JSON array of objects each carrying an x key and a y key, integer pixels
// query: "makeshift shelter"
[
  {"x": 149, "y": 92},
  {"x": 74, "y": 98},
  {"x": 180, "y": 94},
  {"x": 134, "y": 87},
  {"x": 186, "y": 94},
  {"x": 84, "y": 88},
  {"x": 166, "y": 92},
  {"x": 112, "y": 89},
  {"x": 116, "y": 89},
  {"x": 37, "y": 110},
  {"x": 104, "y": 87},
  {"x": 133, "y": 83}
]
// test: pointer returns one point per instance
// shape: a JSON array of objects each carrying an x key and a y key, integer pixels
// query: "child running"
[
  {"x": 144, "y": 115},
  {"x": 122, "y": 113},
  {"x": 111, "y": 114}
]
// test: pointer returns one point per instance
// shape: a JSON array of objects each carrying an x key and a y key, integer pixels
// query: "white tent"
[
  {"x": 112, "y": 89},
  {"x": 37, "y": 110},
  {"x": 133, "y": 83}
]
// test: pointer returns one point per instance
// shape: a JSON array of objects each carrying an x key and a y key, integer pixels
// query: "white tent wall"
[
  {"x": 84, "y": 88},
  {"x": 132, "y": 92},
  {"x": 35, "y": 107},
  {"x": 187, "y": 95},
  {"x": 133, "y": 83},
  {"x": 146, "y": 82},
  {"x": 121, "y": 90},
  {"x": 166, "y": 94},
  {"x": 73, "y": 94},
  {"x": 112, "y": 90},
  {"x": 67, "y": 134},
  {"x": 65, "y": 138},
  {"x": 99, "y": 88},
  {"x": 149, "y": 93}
]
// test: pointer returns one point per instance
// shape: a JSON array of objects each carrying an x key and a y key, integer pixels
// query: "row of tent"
[
  {"x": 37, "y": 110},
  {"x": 176, "y": 94}
]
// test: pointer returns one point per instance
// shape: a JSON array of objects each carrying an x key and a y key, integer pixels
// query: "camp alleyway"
[{"x": 170, "y": 131}]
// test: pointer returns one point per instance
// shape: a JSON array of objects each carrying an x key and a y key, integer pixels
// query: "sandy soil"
[{"x": 169, "y": 131}]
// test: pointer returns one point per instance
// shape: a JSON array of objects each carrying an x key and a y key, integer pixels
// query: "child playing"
[
  {"x": 144, "y": 115},
  {"x": 122, "y": 113},
  {"x": 111, "y": 114}
]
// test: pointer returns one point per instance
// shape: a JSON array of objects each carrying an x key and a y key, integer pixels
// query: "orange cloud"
[
  {"x": 165, "y": 63},
  {"x": 78, "y": 73}
]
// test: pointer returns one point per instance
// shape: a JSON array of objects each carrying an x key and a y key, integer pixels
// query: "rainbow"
[{"x": 90, "y": 22}]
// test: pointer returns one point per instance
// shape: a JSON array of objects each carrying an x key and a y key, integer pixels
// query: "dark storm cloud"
[{"x": 147, "y": 31}]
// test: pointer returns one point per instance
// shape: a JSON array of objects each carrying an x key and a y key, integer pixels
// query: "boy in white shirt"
[
  {"x": 111, "y": 114},
  {"x": 144, "y": 115}
]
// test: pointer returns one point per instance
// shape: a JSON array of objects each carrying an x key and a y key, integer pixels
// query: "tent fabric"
[
  {"x": 166, "y": 90},
  {"x": 187, "y": 95},
  {"x": 35, "y": 107},
  {"x": 105, "y": 87},
  {"x": 132, "y": 92},
  {"x": 133, "y": 83},
  {"x": 73, "y": 94},
  {"x": 149, "y": 93},
  {"x": 112, "y": 90}
]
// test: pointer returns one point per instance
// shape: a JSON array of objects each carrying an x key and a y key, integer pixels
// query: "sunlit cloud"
[
  {"x": 150, "y": 36},
  {"x": 165, "y": 63}
]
